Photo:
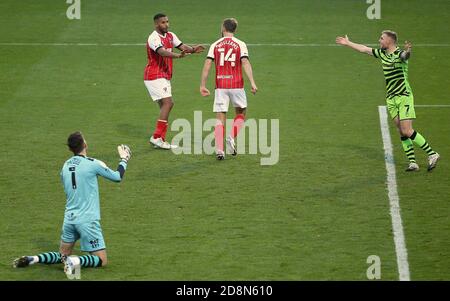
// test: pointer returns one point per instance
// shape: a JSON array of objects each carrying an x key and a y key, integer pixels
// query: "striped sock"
[
  {"x": 49, "y": 257},
  {"x": 90, "y": 261},
  {"x": 426, "y": 147},
  {"x": 420, "y": 141},
  {"x": 409, "y": 149}
]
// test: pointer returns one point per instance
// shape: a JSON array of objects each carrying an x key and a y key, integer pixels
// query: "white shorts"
[
  {"x": 159, "y": 88},
  {"x": 223, "y": 96}
]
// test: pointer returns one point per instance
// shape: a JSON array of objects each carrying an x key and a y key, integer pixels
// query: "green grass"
[{"x": 316, "y": 215}]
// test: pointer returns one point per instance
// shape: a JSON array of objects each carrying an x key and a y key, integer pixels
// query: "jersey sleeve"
[
  {"x": 210, "y": 54},
  {"x": 244, "y": 50},
  {"x": 376, "y": 53},
  {"x": 176, "y": 41},
  {"x": 103, "y": 170},
  {"x": 400, "y": 55},
  {"x": 154, "y": 42}
]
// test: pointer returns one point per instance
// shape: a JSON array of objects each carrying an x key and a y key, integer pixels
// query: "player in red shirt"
[
  {"x": 158, "y": 73},
  {"x": 230, "y": 56}
]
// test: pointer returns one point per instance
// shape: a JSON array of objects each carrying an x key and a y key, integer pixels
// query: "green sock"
[
  {"x": 409, "y": 149},
  {"x": 90, "y": 261},
  {"x": 49, "y": 257},
  {"x": 419, "y": 140}
]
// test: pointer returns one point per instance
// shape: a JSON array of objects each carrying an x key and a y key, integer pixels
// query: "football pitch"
[{"x": 317, "y": 214}]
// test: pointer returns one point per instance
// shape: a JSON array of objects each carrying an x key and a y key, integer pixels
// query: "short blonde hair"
[{"x": 391, "y": 34}]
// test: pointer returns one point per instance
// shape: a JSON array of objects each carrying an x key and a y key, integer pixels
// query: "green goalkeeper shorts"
[{"x": 401, "y": 106}]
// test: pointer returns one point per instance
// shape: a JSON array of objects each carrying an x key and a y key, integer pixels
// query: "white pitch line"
[
  {"x": 397, "y": 228},
  {"x": 248, "y": 44},
  {"x": 432, "y": 106}
]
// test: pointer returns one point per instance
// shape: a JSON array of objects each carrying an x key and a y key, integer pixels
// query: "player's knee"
[
  {"x": 65, "y": 249},
  {"x": 406, "y": 132},
  {"x": 240, "y": 111},
  {"x": 64, "y": 252},
  {"x": 102, "y": 256},
  {"x": 104, "y": 260},
  {"x": 167, "y": 102}
]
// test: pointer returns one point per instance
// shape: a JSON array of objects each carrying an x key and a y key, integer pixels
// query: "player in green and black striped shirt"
[{"x": 399, "y": 96}]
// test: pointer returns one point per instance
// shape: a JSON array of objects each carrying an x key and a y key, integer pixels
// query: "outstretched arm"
[
  {"x": 191, "y": 49},
  {"x": 407, "y": 51},
  {"x": 164, "y": 52},
  {"x": 345, "y": 41},
  {"x": 206, "y": 67},
  {"x": 249, "y": 72}
]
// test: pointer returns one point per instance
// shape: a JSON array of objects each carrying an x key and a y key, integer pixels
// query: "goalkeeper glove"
[{"x": 124, "y": 152}]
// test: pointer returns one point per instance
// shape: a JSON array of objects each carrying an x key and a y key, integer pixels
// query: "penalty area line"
[{"x": 394, "y": 200}]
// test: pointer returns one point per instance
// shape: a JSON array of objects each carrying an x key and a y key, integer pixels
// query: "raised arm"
[
  {"x": 115, "y": 176},
  {"x": 345, "y": 41},
  {"x": 249, "y": 72},
  {"x": 107, "y": 173},
  {"x": 406, "y": 53},
  {"x": 206, "y": 67}
]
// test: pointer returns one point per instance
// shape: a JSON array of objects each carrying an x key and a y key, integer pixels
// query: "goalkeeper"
[{"x": 82, "y": 214}]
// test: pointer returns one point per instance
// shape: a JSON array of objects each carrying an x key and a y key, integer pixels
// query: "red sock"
[
  {"x": 219, "y": 133},
  {"x": 161, "y": 128},
  {"x": 237, "y": 125},
  {"x": 164, "y": 131}
]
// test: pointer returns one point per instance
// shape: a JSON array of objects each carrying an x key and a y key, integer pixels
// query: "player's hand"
[
  {"x": 182, "y": 54},
  {"x": 198, "y": 48},
  {"x": 254, "y": 89},
  {"x": 124, "y": 152},
  {"x": 342, "y": 40},
  {"x": 408, "y": 46},
  {"x": 204, "y": 91}
]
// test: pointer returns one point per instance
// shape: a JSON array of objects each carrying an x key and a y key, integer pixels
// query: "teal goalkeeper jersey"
[{"x": 79, "y": 178}]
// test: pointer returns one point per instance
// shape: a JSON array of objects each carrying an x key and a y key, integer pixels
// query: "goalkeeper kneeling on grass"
[{"x": 82, "y": 214}]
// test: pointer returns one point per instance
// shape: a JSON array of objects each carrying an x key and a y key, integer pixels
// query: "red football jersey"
[
  {"x": 227, "y": 54},
  {"x": 159, "y": 66}
]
